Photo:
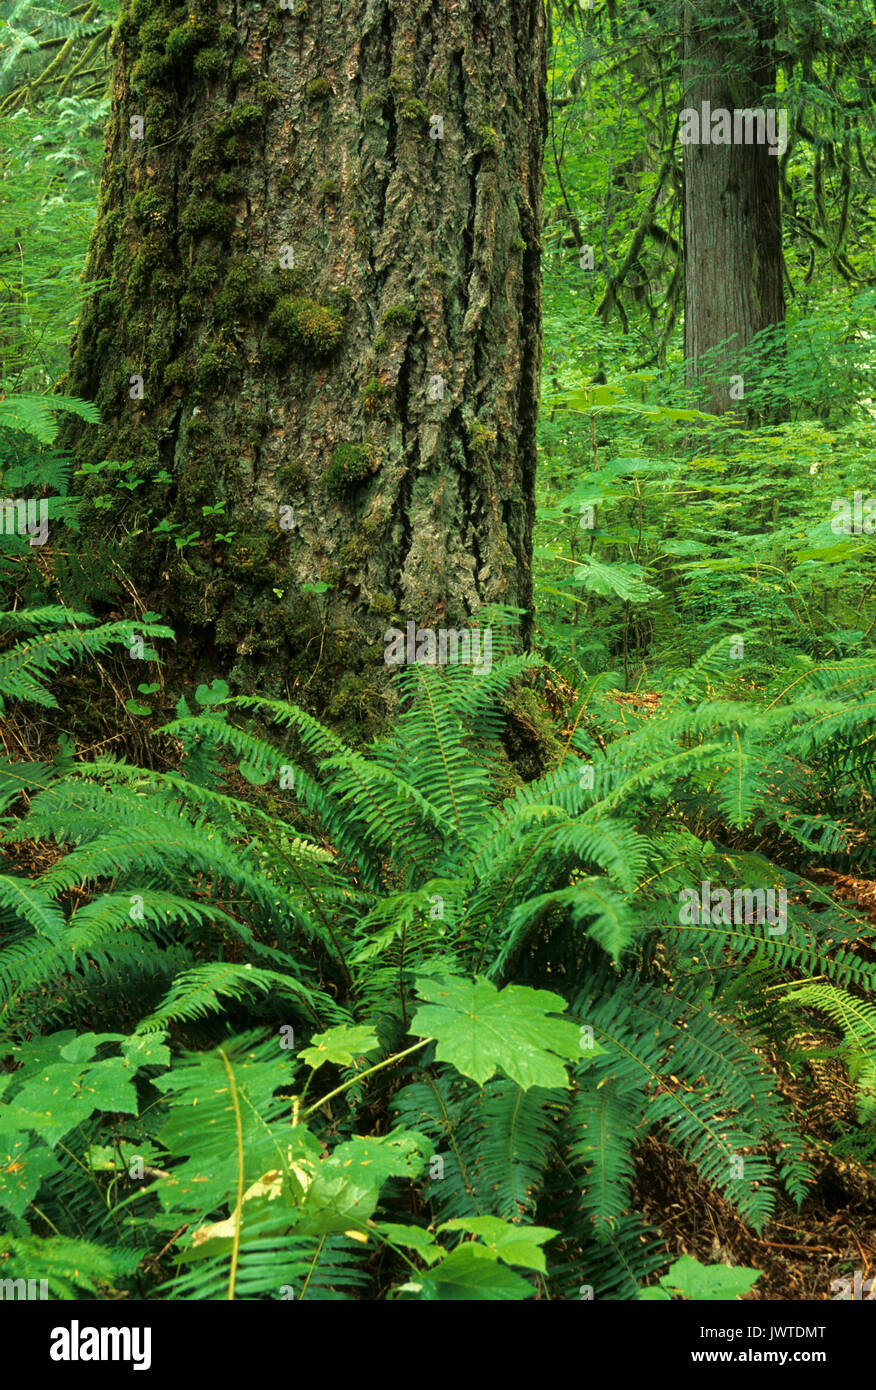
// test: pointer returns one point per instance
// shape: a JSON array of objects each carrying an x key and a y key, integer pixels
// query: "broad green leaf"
[
  {"x": 212, "y": 694},
  {"x": 135, "y": 707},
  {"x": 83, "y": 1047},
  {"x": 346, "y": 1185},
  {"x": 472, "y": 1273},
  {"x": 412, "y": 1238},
  {"x": 623, "y": 580},
  {"x": 481, "y": 1030},
  {"x": 340, "y": 1045},
  {"x": 110, "y": 1085},
  {"x": 115, "y": 1158},
  {"x": 64, "y": 1098},
  {"x": 146, "y": 1050},
  {"x": 517, "y": 1245},
  {"x": 688, "y": 1279},
  {"x": 23, "y": 1166},
  {"x": 256, "y": 776}
]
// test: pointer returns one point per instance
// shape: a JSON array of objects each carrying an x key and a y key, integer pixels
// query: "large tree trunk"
[
  {"x": 733, "y": 268},
  {"x": 323, "y": 260}
]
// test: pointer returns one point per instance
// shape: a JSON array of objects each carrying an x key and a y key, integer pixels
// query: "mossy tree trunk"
[
  {"x": 322, "y": 259},
  {"x": 733, "y": 267}
]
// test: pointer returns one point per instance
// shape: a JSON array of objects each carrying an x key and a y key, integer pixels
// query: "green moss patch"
[
  {"x": 350, "y": 465},
  {"x": 400, "y": 317},
  {"x": 313, "y": 330},
  {"x": 318, "y": 90}
]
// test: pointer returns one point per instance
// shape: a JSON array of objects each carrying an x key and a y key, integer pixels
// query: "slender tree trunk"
[
  {"x": 733, "y": 268},
  {"x": 323, "y": 264}
]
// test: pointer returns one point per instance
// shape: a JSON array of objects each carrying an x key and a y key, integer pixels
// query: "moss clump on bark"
[
  {"x": 384, "y": 604},
  {"x": 355, "y": 553},
  {"x": 198, "y": 485},
  {"x": 399, "y": 84},
  {"x": 205, "y": 154},
  {"x": 199, "y": 427},
  {"x": 318, "y": 90},
  {"x": 531, "y": 739},
  {"x": 375, "y": 396},
  {"x": 168, "y": 43},
  {"x": 209, "y": 64},
  {"x": 141, "y": 273},
  {"x": 249, "y": 554},
  {"x": 184, "y": 41},
  {"x": 293, "y": 475},
  {"x": 151, "y": 209},
  {"x": 350, "y": 465},
  {"x": 216, "y": 362},
  {"x": 482, "y": 442},
  {"x": 288, "y": 282},
  {"x": 244, "y": 120},
  {"x": 413, "y": 109},
  {"x": 204, "y": 216},
  {"x": 160, "y": 120},
  {"x": 366, "y": 540},
  {"x": 179, "y": 376},
  {"x": 229, "y": 186},
  {"x": 301, "y": 325},
  {"x": 372, "y": 106},
  {"x": 399, "y": 317},
  {"x": 246, "y": 293},
  {"x": 488, "y": 139},
  {"x": 360, "y": 703},
  {"x": 150, "y": 71}
]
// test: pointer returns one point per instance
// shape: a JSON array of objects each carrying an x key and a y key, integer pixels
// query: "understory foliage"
[{"x": 381, "y": 1030}]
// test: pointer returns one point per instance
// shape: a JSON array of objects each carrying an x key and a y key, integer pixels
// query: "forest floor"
[{"x": 799, "y": 1252}]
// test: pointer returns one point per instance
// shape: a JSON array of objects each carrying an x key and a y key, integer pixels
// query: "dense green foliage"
[{"x": 282, "y": 1017}]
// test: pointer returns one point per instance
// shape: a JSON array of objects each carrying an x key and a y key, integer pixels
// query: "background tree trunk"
[
  {"x": 383, "y": 386},
  {"x": 733, "y": 268}
]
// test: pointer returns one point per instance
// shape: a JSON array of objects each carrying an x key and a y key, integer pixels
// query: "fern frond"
[
  {"x": 856, "y": 1019},
  {"x": 198, "y": 992}
]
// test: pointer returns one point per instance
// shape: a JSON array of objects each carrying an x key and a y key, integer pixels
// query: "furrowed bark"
[
  {"x": 292, "y": 261},
  {"x": 733, "y": 283}
]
